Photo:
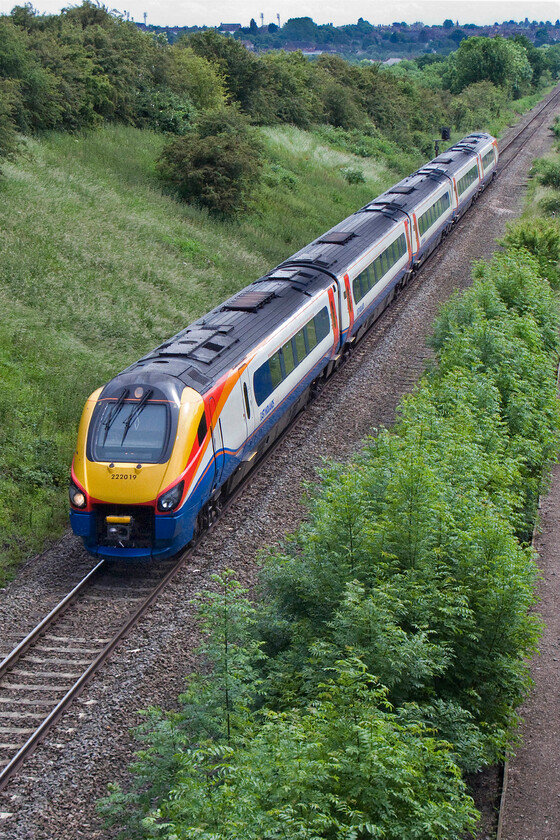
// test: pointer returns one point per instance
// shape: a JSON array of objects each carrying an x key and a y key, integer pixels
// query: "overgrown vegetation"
[
  {"x": 387, "y": 652},
  {"x": 87, "y": 66},
  {"x": 218, "y": 166}
]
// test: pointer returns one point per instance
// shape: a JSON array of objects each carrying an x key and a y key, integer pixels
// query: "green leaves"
[
  {"x": 217, "y": 166},
  {"x": 498, "y": 60},
  {"x": 343, "y": 766}
]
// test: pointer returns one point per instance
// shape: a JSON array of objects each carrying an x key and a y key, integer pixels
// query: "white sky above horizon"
[{"x": 199, "y": 13}]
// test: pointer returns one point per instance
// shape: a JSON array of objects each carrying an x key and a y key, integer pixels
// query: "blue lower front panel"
[{"x": 172, "y": 532}]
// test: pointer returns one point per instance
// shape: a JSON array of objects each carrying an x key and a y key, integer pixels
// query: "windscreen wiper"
[
  {"x": 113, "y": 413},
  {"x": 135, "y": 412}
]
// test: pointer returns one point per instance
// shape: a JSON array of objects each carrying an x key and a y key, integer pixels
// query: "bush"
[
  {"x": 162, "y": 110},
  {"x": 548, "y": 173},
  {"x": 353, "y": 176},
  {"x": 542, "y": 240},
  {"x": 216, "y": 166},
  {"x": 550, "y": 205}
]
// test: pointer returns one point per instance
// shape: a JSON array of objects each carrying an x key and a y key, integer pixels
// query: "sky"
[{"x": 200, "y": 12}]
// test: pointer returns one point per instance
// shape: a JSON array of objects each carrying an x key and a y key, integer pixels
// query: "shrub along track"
[{"x": 55, "y": 793}]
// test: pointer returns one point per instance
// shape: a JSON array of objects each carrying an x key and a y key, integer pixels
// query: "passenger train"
[{"x": 167, "y": 439}]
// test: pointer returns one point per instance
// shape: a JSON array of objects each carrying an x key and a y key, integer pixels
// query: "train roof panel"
[
  {"x": 336, "y": 250},
  {"x": 206, "y": 349}
]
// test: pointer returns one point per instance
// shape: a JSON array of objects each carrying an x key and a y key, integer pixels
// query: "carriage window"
[
  {"x": 267, "y": 378},
  {"x": 322, "y": 325},
  {"x": 383, "y": 263},
  {"x": 311, "y": 336},
  {"x": 275, "y": 370},
  {"x": 298, "y": 344},
  {"x": 468, "y": 178},
  {"x": 288, "y": 359},
  {"x": 433, "y": 213},
  {"x": 488, "y": 159}
]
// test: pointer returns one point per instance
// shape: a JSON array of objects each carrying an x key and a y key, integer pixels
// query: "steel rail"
[
  {"x": 49, "y": 619},
  {"x": 73, "y": 692},
  {"x": 550, "y": 100}
]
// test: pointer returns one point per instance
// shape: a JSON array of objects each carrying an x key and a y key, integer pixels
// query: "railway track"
[
  {"x": 48, "y": 669},
  {"x": 510, "y": 147}
]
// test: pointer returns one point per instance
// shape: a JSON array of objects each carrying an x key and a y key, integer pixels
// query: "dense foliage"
[
  {"x": 75, "y": 70},
  {"x": 387, "y": 652},
  {"x": 218, "y": 165}
]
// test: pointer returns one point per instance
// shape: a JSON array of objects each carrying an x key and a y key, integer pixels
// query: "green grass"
[
  {"x": 515, "y": 109},
  {"x": 98, "y": 265}
]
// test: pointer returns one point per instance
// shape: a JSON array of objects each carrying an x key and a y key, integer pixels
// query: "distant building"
[{"x": 229, "y": 27}]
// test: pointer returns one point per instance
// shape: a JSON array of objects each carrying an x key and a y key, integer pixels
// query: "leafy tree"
[
  {"x": 552, "y": 59},
  {"x": 537, "y": 58},
  {"x": 477, "y": 105},
  {"x": 217, "y": 166},
  {"x": 342, "y": 766},
  {"x": 189, "y": 74},
  {"x": 161, "y": 109},
  {"x": 458, "y": 35},
  {"x": 289, "y": 93},
  {"x": 239, "y": 69},
  {"x": 497, "y": 60},
  {"x": 32, "y": 88},
  {"x": 301, "y": 29}
]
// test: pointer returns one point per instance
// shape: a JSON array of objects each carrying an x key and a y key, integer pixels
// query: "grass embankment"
[{"x": 97, "y": 266}]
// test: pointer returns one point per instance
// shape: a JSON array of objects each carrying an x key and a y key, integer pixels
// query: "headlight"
[
  {"x": 77, "y": 496},
  {"x": 168, "y": 501}
]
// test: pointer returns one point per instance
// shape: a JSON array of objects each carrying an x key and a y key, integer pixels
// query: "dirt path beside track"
[{"x": 531, "y": 809}]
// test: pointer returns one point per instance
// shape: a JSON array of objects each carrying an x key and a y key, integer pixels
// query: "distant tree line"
[
  {"x": 75, "y": 70},
  {"x": 365, "y": 40}
]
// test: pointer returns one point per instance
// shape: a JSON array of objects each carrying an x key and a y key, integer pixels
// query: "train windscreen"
[{"x": 130, "y": 432}]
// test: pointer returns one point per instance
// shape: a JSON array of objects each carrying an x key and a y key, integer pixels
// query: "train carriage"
[{"x": 167, "y": 439}]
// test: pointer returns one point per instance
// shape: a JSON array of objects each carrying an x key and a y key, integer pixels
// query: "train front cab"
[{"x": 137, "y": 453}]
